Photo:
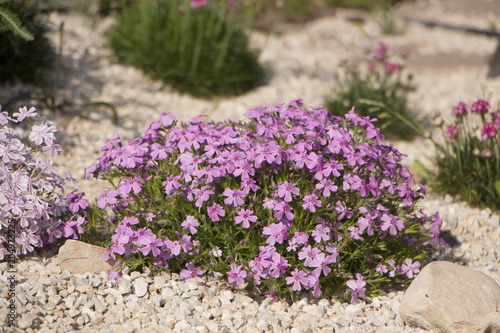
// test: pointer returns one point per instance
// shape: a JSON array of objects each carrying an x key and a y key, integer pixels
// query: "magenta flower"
[
  {"x": 234, "y": 197},
  {"x": 286, "y": 190},
  {"x": 327, "y": 186},
  {"x": 298, "y": 279},
  {"x": 202, "y": 195},
  {"x": 452, "y": 131},
  {"x": 282, "y": 208},
  {"x": 151, "y": 243},
  {"x": 321, "y": 262},
  {"x": 357, "y": 288},
  {"x": 489, "y": 131},
  {"x": 171, "y": 184},
  {"x": 321, "y": 233},
  {"x": 459, "y": 110},
  {"x": 310, "y": 201},
  {"x": 309, "y": 254},
  {"x": 190, "y": 224},
  {"x": 215, "y": 211},
  {"x": 343, "y": 211},
  {"x": 191, "y": 272},
  {"x": 237, "y": 274},
  {"x": 245, "y": 217},
  {"x": 410, "y": 268},
  {"x": 480, "y": 107},
  {"x": 391, "y": 67},
  {"x": 278, "y": 265},
  {"x": 392, "y": 223},
  {"x": 277, "y": 232}
]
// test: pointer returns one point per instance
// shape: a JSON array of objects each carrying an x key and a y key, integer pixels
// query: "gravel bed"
[{"x": 303, "y": 63}]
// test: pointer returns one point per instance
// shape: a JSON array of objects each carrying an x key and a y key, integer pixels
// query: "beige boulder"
[
  {"x": 446, "y": 297},
  {"x": 80, "y": 258}
]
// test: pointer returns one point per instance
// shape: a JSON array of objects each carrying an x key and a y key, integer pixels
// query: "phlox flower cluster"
[
  {"x": 291, "y": 199},
  {"x": 32, "y": 205}
]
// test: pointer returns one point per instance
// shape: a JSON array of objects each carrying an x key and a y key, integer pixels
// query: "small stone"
[
  {"x": 212, "y": 326},
  {"x": 140, "y": 287},
  {"x": 124, "y": 287}
]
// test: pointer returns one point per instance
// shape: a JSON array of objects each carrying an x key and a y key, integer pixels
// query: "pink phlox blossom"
[
  {"x": 208, "y": 171},
  {"x": 269, "y": 203},
  {"x": 245, "y": 171},
  {"x": 174, "y": 247},
  {"x": 392, "y": 223},
  {"x": 265, "y": 152},
  {"x": 25, "y": 113},
  {"x": 321, "y": 233},
  {"x": 202, "y": 195},
  {"x": 343, "y": 210},
  {"x": 171, "y": 184},
  {"x": 436, "y": 225},
  {"x": 160, "y": 151},
  {"x": 167, "y": 118},
  {"x": 245, "y": 217},
  {"x": 321, "y": 262},
  {"x": 186, "y": 243},
  {"x": 249, "y": 184},
  {"x": 354, "y": 232},
  {"x": 314, "y": 162},
  {"x": 366, "y": 223},
  {"x": 286, "y": 189},
  {"x": 107, "y": 198},
  {"x": 381, "y": 268},
  {"x": 311, "y": 202},
  {"x": 410, "y": 268},
  {"x": 237, "y": 274},
  {"x": 309, "y": 255},
  {"x": 151, "y": 243},
  {"x": 290, "y": 133},
  {"x": 327, "y": 186},
  {"x": 119, "y": 240},
  {"x": 234, "y": 197},
  {"x": 76, "y": 202},
  {"x": 282, "y": 208},
  {"x": 357, "y": 288},
  {"x": 71, "y": 224},
  {"x": 335, "y": 252},
  {"x": 191, "y": 272},
  {"x": 278, "y": 233},
  {"x": 278, "y": 265},
  {"x": 42, "y": 133},
  {"x": 298, "y": 278},
  {"x": 215, "y": 211},
  {"x": 388, "y": 184},
  {"x": 190, "y": 224},
  {"x": 333, "y": 168}
]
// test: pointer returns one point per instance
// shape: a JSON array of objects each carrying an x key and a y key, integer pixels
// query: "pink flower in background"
[
  {"x": 480, "y": 107},
  {"x": 452, "y": 131},
  {"x": 191, "y": 272},
  {"x": 391, "y": 66},
  {"x": 197, "y": 3},
  {"x": 380, "y": 51},
  {"x": 489, "y": 131},
  {"x": 459, "y": 110}
]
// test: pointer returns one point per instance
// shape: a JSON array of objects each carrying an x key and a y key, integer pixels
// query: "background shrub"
[
  {"x": 376, "y": 91},
  {"x": 23, "y": 58},
  {"x": 199, "y": 51}
]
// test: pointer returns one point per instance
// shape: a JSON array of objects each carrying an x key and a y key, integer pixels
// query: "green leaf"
[
  {"x": 422, "y": 171},
  {"x": 497, "y": 186},
  {"x": 14, "y": 24}
]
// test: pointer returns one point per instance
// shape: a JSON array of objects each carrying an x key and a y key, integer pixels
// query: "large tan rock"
[
  {"x": 446, "y": 297},
  {"x": 80, "y": 258}
]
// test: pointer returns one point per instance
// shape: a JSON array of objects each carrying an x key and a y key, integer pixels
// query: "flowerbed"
[{"x": 292, "y": 199}]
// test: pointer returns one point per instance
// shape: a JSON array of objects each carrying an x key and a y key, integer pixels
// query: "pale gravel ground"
[{"x": 303, "y": 63}]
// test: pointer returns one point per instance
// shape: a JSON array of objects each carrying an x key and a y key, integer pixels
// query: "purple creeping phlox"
[
  {"x": 292, "y": 199},
  {"x": 31, "y": 190}
]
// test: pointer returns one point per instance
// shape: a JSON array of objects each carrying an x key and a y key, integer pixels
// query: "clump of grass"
[
  {"x": 378, "y": 92},
  {"x": 25, "y": 52},
  {"x": 199, "y": 51}
]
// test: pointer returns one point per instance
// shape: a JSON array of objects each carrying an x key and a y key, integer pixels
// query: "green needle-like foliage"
[
  {"x": 198, "y": 51},
  {"x": 24, "y": 50}
]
